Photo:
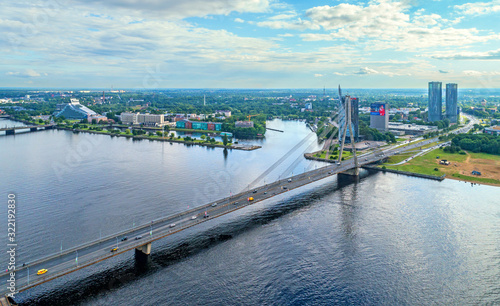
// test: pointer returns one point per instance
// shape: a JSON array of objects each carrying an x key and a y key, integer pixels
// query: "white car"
[
  {"x": 193, "y": 217},
  {"x": 172, "y": 225}
]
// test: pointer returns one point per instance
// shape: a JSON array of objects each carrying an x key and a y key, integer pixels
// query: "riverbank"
[
  {"x": 430, "y": 177},
  {"x": 321, "y": 156},
  {"x": 166, "y": 139},
  {"x": 460, "y": 166}
]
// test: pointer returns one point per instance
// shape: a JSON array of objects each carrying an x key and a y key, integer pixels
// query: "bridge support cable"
[
  {"x": 289, "y": 170},
  {"x": 279, "y": 161}
]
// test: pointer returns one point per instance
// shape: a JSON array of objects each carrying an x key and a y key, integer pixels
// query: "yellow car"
[
  {"x": 250, "y": 199},
  {"x": 114, "y": 250},
  {"x": 42, "y": 271}
]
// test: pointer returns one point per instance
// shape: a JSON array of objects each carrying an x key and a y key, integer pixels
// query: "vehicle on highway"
[
  {"x": 206, "y": 216},
  {"x": 138, "y": 237},
  {"x": 172, "y": 225},
  {"x": 41, "y": 271},
  {"x": 124, "y": 238},
  {"x": 215, "y": 204},
  {"x": 366, "y": 158},
  {"x": 284, "y": 187},
  {"x": 290, "y": 180},
  {"x": 338, "y": 164},
  {"x": 235, "y": 203},
  {"x": 114, "y": 250},
  {"x": 265, "y": 192},
  {"x": 255, "y": 191},
  {"x": 250, "y": 199},
  {"x": 193, "y": 217}
]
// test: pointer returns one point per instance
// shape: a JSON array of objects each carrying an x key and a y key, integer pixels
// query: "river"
[{"x": 387, "y": 240}]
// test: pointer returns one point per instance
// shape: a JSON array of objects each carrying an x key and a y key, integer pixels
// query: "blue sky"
[{"x": 249, "y": 43}]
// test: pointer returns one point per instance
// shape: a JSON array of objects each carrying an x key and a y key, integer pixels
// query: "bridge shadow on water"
[{"x": 83, "y": 290}]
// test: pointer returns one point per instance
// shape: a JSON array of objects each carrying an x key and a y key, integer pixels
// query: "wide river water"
[{"x": 388, "y": 240}]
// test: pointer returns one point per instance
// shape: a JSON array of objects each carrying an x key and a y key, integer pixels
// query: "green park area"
[
  {"x": 460, "y": 167},
  {"x": 333, "y": 155}
]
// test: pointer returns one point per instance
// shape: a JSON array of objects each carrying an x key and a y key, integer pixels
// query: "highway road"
[{"x": 79, "y": 257}]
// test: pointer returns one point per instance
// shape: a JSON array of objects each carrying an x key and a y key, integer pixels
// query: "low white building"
[
  {"x": 151, "y": 120},
  {"x": 129, "y": 118}
]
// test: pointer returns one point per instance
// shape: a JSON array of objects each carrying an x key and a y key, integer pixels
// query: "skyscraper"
[
  {"x": 451, "y": 102},
  {"x": 435, "y": 101}
]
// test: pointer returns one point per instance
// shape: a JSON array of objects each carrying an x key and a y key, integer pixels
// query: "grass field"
[
  {"x": 400, "y": 157},
  {"x": 346, "y": 155},
  {"x": 460, "y": 168}
]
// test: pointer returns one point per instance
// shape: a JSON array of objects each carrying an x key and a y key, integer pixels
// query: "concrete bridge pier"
[
  {"x": 348, "y": 176},
  {"x": 142, "y": 253},
  {"x": 10, "y": 132},
  {"x": 33, "y": 129},
  {"x": 142, "y": 258},
  {"x": 7, "y": 301}
]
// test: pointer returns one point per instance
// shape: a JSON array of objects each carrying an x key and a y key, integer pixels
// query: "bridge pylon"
[{"x": 346, "y": 101}]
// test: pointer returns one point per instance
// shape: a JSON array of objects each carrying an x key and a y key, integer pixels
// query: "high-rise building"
[
  {"x": 451, "y": 102},
  {"x": 379, "y": 116},
  {"x": 354, "y": 117},
  {"x": 435, "y": 101}
]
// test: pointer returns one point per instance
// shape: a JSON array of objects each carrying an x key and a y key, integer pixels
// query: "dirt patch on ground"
[{"x": 488, "y": 168}]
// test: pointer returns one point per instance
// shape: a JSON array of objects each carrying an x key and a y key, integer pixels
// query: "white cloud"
[
  {"x": 366, "y": 70},
  {"x": 239, "y": 20},
  {"x": 468, "y": 55},
  {"x": 175, "y": 9},
  {"x": 318, "y": 75},
  {"x": 479, "y": 8},
  {"x": 298, "y": 24},
  {"x": 481, "y": 73},
  {"x": 286, "y": 15},
  {"x": 382, "y": 24},
  {"x": 28, "y": 73}
]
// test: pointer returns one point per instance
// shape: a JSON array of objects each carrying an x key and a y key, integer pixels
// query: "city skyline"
[{"x": 249, "y": 44}]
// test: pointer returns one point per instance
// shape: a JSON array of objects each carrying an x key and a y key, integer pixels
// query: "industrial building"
[
  {"x": 494, "y": 130},
  {"x": 198, "y": 125},
  {"x": 435, "y": 101},
  {"x": 451, "y": 102},
  {"x": 410, "y": 129},
  {"x": 244, "y": 124},
  {"x": 379, "y": 116},
  {"x": 354, "y": 117}
]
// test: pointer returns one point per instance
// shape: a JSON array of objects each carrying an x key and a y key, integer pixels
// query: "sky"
[{"x": 147, "y": 44}]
